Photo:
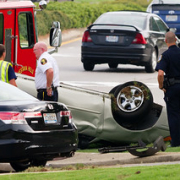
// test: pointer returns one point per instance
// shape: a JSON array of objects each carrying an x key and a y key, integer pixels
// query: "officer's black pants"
[
  {"x": 42, "y": 95},
  {"x": 172, "y": 99}
]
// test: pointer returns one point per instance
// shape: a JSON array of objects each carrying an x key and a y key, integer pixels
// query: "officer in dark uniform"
[{"x": 168, "y": 68}]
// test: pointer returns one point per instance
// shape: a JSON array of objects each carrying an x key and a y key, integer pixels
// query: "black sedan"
[
  {"x": 124, "y": 37},
  {"x": 32, "y": 131}
]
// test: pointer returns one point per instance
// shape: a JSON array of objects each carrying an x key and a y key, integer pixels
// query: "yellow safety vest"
[{"x": 4, "y": 66}]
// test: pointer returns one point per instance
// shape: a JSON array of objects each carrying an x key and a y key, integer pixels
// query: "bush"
[{"x": 78, "y": 15}]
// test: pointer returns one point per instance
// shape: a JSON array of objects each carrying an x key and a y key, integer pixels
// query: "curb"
[
  {"x": 72, "y": 34},
  {"x": 114, "y": 159},
  {"x": 67, "y": 35}
]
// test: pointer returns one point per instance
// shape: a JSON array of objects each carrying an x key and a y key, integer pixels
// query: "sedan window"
[
  {"x": 161, "y": 25},
  {"x": 125, "y": 19},
  {"x": 152, "y": 25}
]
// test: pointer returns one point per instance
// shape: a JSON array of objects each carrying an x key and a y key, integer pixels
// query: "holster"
[{"x": 168, "y": 82}]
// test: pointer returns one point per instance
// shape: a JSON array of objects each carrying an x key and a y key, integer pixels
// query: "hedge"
[{"x": 78, "y": 15}]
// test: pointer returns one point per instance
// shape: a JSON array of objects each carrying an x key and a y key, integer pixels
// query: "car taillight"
[
  {"x": 12, "y": 118},
  {"x": 66, "y": 116},
  {"x": 16, "y": 117},
  {"x": 86, "y": 37},
  {"x": 139, "y": 39}
]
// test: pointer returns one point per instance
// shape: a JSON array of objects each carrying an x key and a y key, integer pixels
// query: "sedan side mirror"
[
  {"x": 55, "y": 35},
  {"x": 42, "y": 4},
  {"x": 177, "y": 42}
]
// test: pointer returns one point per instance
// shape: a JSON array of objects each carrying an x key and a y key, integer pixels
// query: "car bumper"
[
  {"x": 22, "y": 144},
  {"x": 134, "y": 54}
]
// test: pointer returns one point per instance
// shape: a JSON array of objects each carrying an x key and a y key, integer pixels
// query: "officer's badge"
[
  {"x": 160, "y": 57},
  {"x": 43, "y": 61}
]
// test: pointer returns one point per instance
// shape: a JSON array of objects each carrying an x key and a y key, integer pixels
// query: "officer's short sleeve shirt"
[
  {"x": 45, "y": 62},
  {"x": 11, "y": 73},
  {"x": 162, "y": 63},
  {"x": 169, "y": 62}
]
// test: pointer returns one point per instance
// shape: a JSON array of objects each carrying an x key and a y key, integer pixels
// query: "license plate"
[
  {"x": 112, "y": 38},
  {"x": 50, "y": 118},
  {"x": 171, "y": 18}
]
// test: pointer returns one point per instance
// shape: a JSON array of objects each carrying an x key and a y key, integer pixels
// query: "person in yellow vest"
[{"x": 7, "y": 73}]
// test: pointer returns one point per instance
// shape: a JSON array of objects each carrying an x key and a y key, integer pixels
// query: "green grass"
[
  {"x": 92, "y": 1},
  {"x": 173, "y": 149},
  {"x": 84, "y": 172},
  {"x": 88, "y": 150},
  {"x": 163, "y": 172}
]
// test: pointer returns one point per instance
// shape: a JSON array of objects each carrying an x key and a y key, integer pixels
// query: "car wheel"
[
  {"x": 150, "y": 68},
  {"x": 38, "y": 162},
  {"x": 114, "y": 89},
  {"x": 132, "y": 100},
  {"x": 88, "y": 66},
  {"x": 20, "y": 166},
  {"x": 68, "y": 154},
  {"x": 113, "y": 65}
]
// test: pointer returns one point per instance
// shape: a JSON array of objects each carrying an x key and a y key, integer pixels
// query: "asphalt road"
[{"x": 102, "y": 78}]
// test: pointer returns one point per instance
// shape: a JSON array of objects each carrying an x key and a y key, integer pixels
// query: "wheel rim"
[
  {"x": 154, "y": 60},
  {"x": 130, "y": 98}
]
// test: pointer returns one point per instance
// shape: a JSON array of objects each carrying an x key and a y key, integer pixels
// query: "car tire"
[
  {"x": 68, "y": 154},
  {"x": 132, "y": 100},
  {"x": 88, "y": 66},
  {"x": 38, "y": 162},
  {"x": 150, "y": 68},
  {"x": 112, "y": 91},
  {"x": 20, "y": 166},
  {"x": 113, "y": 65}
]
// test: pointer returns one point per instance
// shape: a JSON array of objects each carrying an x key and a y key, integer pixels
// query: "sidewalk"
[
  {"x": 107, "y": 160},
  {"x": 114, "y": 159},
  {"x": 66, "y": 35}
]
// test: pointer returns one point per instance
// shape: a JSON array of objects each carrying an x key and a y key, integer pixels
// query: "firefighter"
[
  {"x": 46, "y": 74},
  {"x": 6, "y": 71},
  {"x": 168, "y": 68}
]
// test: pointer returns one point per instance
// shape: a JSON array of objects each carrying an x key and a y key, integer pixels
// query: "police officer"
[
  {"x": 46, "y": 74},
  {"x": 168, "y": 68},
  {"x": 7, "y": 73}
]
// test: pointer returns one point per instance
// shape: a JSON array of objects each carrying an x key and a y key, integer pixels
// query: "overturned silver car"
[{"x": 123, "y": 116}]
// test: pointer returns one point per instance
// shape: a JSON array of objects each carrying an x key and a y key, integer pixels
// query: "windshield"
[
  {"x": 137, "y": 20},
  {"x": 149, "y": 8},
  {"x": 12, "y": 93}
]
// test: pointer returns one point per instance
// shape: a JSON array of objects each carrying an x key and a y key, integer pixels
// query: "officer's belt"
[
  {"x": 176, "y": 81},
  {"x": 42, "y": 90}
]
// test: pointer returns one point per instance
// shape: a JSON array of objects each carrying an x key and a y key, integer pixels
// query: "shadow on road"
[{"x": 122, "y": 70}]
